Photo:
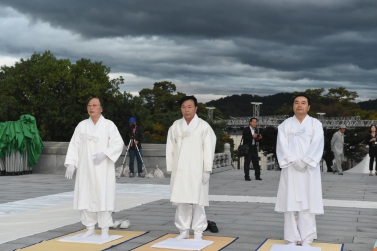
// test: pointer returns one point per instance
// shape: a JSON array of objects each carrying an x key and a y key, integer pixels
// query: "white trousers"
[
  {"x": 338, "y": 162},
  {"x": 90, "y": 219},
  {"x": 300, "y": 227},
  {"x": 184, "y": 214}
]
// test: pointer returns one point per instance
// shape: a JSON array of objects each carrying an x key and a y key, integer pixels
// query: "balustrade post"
[{"x": 229, "y": 155}]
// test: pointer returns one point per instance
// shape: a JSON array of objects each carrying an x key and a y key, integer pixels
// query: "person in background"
[
  {"x": 371, "y": 141},
  {"x": 251, "y": 137},
  {"x": 337, "y": 147},
  {"x": 134, "y": 138}
]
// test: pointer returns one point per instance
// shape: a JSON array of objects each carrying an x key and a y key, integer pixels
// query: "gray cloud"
[{"x": 206, "y": 47}]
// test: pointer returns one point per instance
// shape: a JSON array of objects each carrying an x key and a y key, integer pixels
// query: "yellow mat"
[
  {"x": 54, "y": 244},
  {"x": 219, "y": 243},
  {"x": 267, "y": 244}
]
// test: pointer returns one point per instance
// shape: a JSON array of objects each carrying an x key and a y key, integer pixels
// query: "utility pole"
[
  {"x": 256, "y": 109},
  {"x": 320, "y": 115}
]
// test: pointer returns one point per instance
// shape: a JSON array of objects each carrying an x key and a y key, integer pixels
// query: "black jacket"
[
  {"x": 372, "y": 145},
  {"x": 138, "y": 136},
  {"x": 247, "y": 137}
]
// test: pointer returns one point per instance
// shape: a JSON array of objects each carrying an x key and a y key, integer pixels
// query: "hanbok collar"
[
  {"x": 192, "y": 125},
  {"x": 93, "y": 126},
  {"x": 304, "y": 120}
]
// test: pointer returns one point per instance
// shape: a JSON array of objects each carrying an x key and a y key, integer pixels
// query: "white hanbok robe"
[
  {"x": 337, "y": 143},
  {"x": 94, "y": 185},
  {"x": 304, "y": 141},
  {"x": 189, "y": 152}
]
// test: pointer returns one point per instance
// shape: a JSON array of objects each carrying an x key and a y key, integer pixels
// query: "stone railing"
[
  {"x": 266, "y": 162},
  {"x": 222, "y": 161},
  {"x": 52, "y": 158}
]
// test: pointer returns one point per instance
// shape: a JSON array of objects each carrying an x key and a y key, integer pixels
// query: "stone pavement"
[{"x": 239, "y": 208}]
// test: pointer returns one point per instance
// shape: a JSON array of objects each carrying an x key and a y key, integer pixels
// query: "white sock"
[
  {"x": 198, "y": 236},
  {"x": 183, "y": 235},
  {"x": 305, "y": 244},
  {"x": 105, "y": 233},
  {"x": 88, "y": 233}
]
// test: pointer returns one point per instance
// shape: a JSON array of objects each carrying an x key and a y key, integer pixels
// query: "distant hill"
[
  {"x": 368, "y": 105},
  {"x": 239, "y": 105}
]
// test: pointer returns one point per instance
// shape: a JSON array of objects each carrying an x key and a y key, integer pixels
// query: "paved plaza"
[{"x": 38, "y": 207}]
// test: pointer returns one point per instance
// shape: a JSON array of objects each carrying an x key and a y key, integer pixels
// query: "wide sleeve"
[
  {"x": 284, "y": 155},
  {"x": 116, "y": 144},
  {"x": 170, "y": 151},
  {"x": 72, "y": 157},
  {"x": 209, "y": 146},
  {"x": 314, "y": 154}
]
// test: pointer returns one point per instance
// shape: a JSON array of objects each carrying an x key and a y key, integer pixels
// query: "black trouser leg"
[
  {"x": 246, "y": 165},
  {"x": 371, "y": 160},
  {"x": 255, "y": 160}
]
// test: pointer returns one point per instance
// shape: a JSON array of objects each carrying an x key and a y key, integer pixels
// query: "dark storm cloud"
[
  {"x": 287, "y": 21},
  {"x": 215, "y": 47}
]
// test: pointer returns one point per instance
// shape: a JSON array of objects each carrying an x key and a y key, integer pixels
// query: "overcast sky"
[{"x": 210, "y": 49}]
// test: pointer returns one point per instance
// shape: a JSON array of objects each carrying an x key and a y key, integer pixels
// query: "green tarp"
[{"x": 19, "y": 136}]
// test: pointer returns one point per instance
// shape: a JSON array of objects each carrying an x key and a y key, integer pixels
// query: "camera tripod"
[{"x": 125, "y": 157}]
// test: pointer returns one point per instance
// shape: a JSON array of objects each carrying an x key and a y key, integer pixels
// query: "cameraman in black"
[
  {"x": 134, "y": 137},
  {"x": 251, "y": 137}
]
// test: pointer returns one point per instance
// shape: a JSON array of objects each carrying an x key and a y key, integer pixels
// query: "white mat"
[
  {"x": 93, "y": 239},
  {"x": 185, "y": 244},
  {"x": 280, "y": 247}
]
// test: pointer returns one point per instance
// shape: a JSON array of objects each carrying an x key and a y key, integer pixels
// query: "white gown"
[
  {"x": 189, "y": 153},
  {"x": 299, "y": 191},
  {"x": 94, "y": 185}
]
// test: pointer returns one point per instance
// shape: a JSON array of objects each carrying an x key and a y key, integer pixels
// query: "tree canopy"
[{"x": 54, "y": 91}]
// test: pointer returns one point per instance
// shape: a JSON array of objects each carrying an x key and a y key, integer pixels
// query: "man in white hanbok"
[
  {"x": 190, "y": 149},
  {"x": 299, "y": 150},
  {"x": 93, "y": 150},
  {"x": 337, "y": 145}
]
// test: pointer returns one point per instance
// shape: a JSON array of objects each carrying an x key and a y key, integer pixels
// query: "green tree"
[
  {"x": 162, "y": 103},
  {"x": 161, "y": 98},
  {"x": 286, "y": 109},
  {"x": 121, "y": 107},
  {"x": 342, "y": 95},
  {"x": 54, "y": 91}
]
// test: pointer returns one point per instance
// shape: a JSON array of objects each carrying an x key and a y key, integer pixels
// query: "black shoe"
[
  {"x": 259, "y": 178},
  {"x": 340, "y": 173},
  {"x": 247, "y": 179},
  {"x": 211, "y": 226}
]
